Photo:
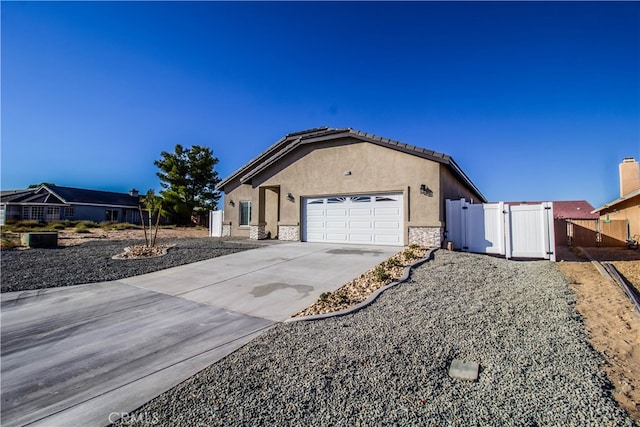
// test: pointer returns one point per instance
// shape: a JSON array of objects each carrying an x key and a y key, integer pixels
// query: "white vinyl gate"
[
  {"x": 215, "y": 223},
  {"x": 518, "y": 231}
]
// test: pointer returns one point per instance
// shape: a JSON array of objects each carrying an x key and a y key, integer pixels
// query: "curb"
[{"x": 371, "y": 298}]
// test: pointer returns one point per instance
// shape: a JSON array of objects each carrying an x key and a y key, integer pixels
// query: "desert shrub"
[
  {"x": 82, "y": 228},
  {"x": 10, "y": 241},
  {"x": 23, "y": 226},
  {"x": 118, "y": 226},
  {"x": 341, "y": 297},
  {"x": 410, "y": 255},
  {"x": 381, "y": 274},
  {"x": 393, "y": 262},
  {"x": 88, "y": 224},
  {"x": 58, "y": 226}
]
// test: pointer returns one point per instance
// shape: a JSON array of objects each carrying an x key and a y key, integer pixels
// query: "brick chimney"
[{"x": 629, "y": 176}]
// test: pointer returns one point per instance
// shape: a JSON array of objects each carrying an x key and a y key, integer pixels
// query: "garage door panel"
[
  {"x": 336, "y": 224},
  {"x": 360, "y": 225},
  {"x": 336, "y": 212},
  {"x": 364, "y": 219},
  {"x": 361, "y": 238},
  {"x": 384, "y": 225},
  {"x": 314, "y": 213},
  {"x": 336, "y": 237},
  {"x": 387, "y": 239},
  {"x": 387, "y": 211},
  {"x": 360, "y": 212}
]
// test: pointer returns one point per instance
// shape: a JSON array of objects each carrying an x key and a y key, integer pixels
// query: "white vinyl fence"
[
  {"x": 518, "y": 231},
  {"x": 215, "y": 223}
]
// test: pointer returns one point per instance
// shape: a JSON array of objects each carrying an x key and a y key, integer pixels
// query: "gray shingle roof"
[{"x": 53, "y": 194}]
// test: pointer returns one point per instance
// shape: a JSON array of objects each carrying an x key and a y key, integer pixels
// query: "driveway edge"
[{"x": 371, "y": 298}]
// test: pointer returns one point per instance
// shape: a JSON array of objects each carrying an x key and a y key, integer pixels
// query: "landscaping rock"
[
  {"x": 387, "y": 363},
  {"x": 92, "y": 261}
]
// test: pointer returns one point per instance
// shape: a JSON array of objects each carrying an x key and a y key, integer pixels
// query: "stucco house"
[
  {"x": 627, "y": 206},
  {"x": 56, "y": 203},
  {"x": 344, "y": 186}
]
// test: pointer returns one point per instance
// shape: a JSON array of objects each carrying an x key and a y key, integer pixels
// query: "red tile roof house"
[
  {"x": 571, "y": 210},
  {"x": 566, "y": 209}
]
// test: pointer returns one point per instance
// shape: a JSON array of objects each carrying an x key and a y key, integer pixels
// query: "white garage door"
[{"x": 363, "y": 219}]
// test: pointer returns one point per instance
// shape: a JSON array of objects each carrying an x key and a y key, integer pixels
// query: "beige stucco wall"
[
  {"x": 629, "y": 210},
  {"x": 453, "y": 189},
  {"x": 320, "y": 171},
  {"x": 232, "y": 208}
]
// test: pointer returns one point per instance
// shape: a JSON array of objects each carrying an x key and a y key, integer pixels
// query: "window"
[
  {"x": 336, "y": 199},
  {"x": 245, "y": 213},
  {"x": 385, "y": 199},
  {"x": 68, "y": 212},
  {"x": 37, "y": 213},
  {"x": 53, "y": 213},
  {"x": 361, "y": 199},
  {"x": 111, "y": 215}
]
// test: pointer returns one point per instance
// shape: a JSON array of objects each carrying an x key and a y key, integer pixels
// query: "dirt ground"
[
  {"x": 69, "y": 237},
  {"x": 611, "y": 320}
]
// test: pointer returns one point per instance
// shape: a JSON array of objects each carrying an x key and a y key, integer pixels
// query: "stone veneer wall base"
[
  {"x": 426, "y": 236},
  {"x": 257, "y": 232},
  {"x": 289, "y": 233}
]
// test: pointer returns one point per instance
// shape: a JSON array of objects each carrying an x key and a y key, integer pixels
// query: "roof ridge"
[{"x": 307, "y": 131}]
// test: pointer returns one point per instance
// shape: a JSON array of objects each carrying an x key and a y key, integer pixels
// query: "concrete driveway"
[{"x": 85, "y": 355}]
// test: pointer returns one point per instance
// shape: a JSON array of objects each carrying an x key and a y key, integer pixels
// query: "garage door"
[{"x": 363, "y": 219}]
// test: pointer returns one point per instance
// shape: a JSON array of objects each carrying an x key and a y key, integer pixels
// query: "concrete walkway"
[{"x": 85, "y": 355}]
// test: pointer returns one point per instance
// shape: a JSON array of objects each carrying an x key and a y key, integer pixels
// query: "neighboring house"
[
  {"x": 627, "y": 207},
  {"x": 574, "y": 222},
  {"x": 344, "y": 186},
  {"x": 566, "y": 209},
  {"x": 54, "y": 203},
  {"x": 573, "y": 209}
]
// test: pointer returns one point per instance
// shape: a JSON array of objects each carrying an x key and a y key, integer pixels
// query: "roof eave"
[{"x": 617, "y": 201}]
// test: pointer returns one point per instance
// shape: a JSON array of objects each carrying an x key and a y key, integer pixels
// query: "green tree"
[
  {"x": 38, "y": 185},
  {"x": 188, "y": 180}
]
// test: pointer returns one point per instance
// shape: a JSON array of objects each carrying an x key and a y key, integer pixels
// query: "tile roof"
[
  {"x": 566, "y": 209},
  {"x": 293, "y": 140}
]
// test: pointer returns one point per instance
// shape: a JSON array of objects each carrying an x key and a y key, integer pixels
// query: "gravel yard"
[
  {"x": 91, "y": 261},
  {"x": 387, "y": 364}
]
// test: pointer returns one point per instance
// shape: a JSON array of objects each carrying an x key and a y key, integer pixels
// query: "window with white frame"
[
  {"x": 68, "y": 212},
  {"x": 245, "y": 213},
  {"x": 53, "y": 213},
  {"x": 37, "y": 213}
]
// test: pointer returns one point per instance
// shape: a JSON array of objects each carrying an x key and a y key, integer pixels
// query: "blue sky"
[{"x": 535, "y": 101}]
